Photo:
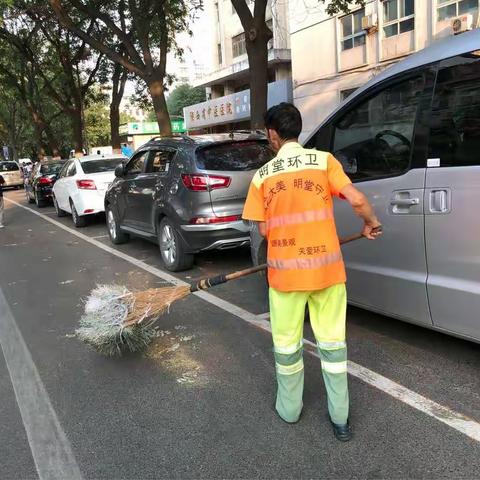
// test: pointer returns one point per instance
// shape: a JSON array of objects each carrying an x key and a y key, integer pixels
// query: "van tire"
[{"x": 171, "y": 247}]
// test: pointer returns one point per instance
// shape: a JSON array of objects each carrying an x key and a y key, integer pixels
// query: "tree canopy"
[{"x": 183, "y": 96}]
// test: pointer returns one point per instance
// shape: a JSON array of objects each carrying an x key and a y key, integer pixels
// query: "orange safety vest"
[{"x": 293, "y": 194}]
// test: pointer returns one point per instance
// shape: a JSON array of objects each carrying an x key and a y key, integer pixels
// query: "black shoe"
[{"x": 342, "y": 432}]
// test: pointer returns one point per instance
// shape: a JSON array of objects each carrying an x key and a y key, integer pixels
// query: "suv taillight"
[
  {"x": 86, "y": 184},
  {"x": 45, "y": 181},
  {"x": 204, "y": 183}
]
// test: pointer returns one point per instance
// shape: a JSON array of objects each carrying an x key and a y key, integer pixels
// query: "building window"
[
  {"x": 352, "y": 33},
  {"x": 398, "y": 17},
  {"x": 219, "y": 53},
  {"x": 448, "y": 9},
  {"x": 238, "y": 45}
]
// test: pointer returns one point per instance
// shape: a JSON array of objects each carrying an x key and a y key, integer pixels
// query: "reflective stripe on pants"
[{"x": 327, "y": 318}]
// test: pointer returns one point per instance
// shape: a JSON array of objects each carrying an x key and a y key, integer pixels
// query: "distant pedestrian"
[
  {"x": 2, "y": 182},
  {"x": 126, "y": 150},
  {"x": 292, "y": 199}
]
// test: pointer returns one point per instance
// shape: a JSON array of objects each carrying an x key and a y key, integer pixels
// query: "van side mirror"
[{"x": 120, "y": 170}]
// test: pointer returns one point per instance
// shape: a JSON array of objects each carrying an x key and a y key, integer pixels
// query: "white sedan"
[{"x": 81, "y": 185}]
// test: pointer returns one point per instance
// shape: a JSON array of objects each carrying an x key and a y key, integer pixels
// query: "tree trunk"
[
  {"x": 119, "y": 78},
  {"x": 258, "y": 65},
  {"x": 114, "y": 128},
  {"x": 155, "y": 87},
  {"x": 77, "y": 128}
]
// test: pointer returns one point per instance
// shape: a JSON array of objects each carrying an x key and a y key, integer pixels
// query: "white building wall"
[{"x": 321, "y": 70}]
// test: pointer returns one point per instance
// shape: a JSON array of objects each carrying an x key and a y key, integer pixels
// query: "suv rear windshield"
[
  {"x": 51, "y": 168},
  {"x": 8, "y": 166},
  {"x": 238, "y": 156},
  {"x": 98, "y": 166}
]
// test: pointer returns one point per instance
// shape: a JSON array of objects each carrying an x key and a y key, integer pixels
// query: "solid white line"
[
  {"x": 264, "y": 315},
  {"x": 99, "y": 236},
  {"x": 459, "y": 422},
  {"x": 51, "y": 450}
]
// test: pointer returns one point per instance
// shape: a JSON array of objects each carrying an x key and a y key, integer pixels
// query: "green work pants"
[{"x": 327, "y": 309}]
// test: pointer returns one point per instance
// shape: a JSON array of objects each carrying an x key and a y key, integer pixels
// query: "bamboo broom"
[{"x": 117, "y": 320}]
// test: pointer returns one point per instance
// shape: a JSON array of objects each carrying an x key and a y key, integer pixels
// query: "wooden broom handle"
[{"x": 211, "y": 282}]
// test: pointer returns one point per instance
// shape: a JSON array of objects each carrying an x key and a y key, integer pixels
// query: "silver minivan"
[{"x": 410, "y": 140}]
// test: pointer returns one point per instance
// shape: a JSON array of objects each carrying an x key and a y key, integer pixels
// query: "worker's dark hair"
[{"x": 285, "y": 119}]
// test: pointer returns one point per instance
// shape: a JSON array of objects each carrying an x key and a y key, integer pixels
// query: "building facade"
[
  {"x": 334, "y": 55},
  {"x": 227, "y": 79}
]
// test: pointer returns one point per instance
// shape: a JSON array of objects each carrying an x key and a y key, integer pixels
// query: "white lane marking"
[
  {"x": 264, "y": 315},
  {"x": 459, "y": 422},
  {"x": 100, "y": 236},
  {"x": 51, "y": 450}
]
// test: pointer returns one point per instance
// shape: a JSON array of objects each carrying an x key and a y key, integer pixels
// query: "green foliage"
[
  {"x": 183, "y": 96},
  {"x": 97, "y": 123}
]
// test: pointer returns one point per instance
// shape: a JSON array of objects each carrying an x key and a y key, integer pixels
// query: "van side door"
[
  {"x": 452, "y": 197},
  {"x": 374, "y": 137}
]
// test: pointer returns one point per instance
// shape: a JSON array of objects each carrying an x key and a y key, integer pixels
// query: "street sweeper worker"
[{"x": 292, "y": 199}]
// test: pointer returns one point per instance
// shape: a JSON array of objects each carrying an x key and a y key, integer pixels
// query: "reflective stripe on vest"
[
  {"x": 305, "y": 263},
  {"x": 300, "y": 217}
]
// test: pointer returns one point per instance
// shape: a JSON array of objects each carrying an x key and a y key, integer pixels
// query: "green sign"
[{"x": 150, "y": 128}]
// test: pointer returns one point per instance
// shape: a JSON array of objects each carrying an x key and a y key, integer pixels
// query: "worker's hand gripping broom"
[{"x": 117, "y": 320}]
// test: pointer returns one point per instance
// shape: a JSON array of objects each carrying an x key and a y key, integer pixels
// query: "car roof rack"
[{"x": 181, "y": 135}]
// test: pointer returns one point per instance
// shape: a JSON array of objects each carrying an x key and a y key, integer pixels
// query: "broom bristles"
[
  {"x": 150, "y": 304},
  {"x": 117, "y": 320}
]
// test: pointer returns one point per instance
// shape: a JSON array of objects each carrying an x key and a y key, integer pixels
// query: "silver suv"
[{"x": 186, "y": 193}]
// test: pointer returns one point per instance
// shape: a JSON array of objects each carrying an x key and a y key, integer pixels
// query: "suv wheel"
[
  {"x": 116, "y": 235},
  {"x": 171, "y": 248},
  {"x": 78, "y": 221},
  {"x": 58, "y": 210}
]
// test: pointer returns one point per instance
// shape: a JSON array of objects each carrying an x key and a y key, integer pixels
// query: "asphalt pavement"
[{"x": 198, "y": 403}]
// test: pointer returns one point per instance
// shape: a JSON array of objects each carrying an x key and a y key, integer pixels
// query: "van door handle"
[{"x": 405, "y": 202}]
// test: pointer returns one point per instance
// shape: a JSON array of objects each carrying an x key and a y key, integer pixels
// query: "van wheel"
[
  {"x": 78, "y": 221},
  {"x": 58, "y": 210},
  {"x": 171, "y": 248},
  {"x": 116, "y": 235}
]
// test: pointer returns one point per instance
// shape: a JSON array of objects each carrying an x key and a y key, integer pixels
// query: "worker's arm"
[{"x": 363, "y": 209}]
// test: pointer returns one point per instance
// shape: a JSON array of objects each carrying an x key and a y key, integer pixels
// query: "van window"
[
  {"x": 375, "y": 137},
  {"x": 234, "y": 156},
  {"x": 455, "y": 117}
]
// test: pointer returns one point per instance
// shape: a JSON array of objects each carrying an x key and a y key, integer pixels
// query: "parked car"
[
  {"x": 11, "y": 173},
  {"x": 81, "y": 185},
  {"x": 410, "y": 140},
  {"x": 187, "y": 193},
  {"x": 39, "y": 184}
]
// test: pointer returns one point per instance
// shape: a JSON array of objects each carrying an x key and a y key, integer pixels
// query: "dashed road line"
[
  {"x": 443, "y": 414},
  {"x": 51, "y": 450}
]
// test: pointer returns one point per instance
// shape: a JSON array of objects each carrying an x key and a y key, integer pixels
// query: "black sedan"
[{"x": 38, "y": 186}]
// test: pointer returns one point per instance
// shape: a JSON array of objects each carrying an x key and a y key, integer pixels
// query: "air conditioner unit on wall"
[
  {"x": 370, "y": 23},
  {"x": 462, "y": 23}
]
